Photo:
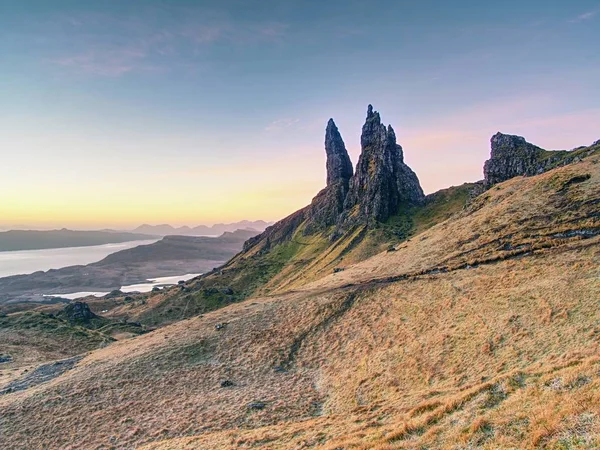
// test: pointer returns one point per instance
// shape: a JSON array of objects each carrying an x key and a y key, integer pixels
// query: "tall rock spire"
[
  {"x": 339, "y": 166},
  {"x": 382, "y": 182},
  {"x": 326, "y": 207},
  {"x": 380, "y": 186}
]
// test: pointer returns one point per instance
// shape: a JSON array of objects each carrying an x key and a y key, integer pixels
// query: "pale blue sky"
[{"x": 114, "y": 113}]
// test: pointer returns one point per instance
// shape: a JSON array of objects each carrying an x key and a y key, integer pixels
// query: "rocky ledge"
[{"x": 513, "y": 156}]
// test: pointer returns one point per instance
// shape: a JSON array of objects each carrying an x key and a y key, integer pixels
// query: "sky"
[{"x": 115, "y": 113}]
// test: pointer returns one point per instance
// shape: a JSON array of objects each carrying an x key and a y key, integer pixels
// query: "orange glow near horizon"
[
  {"x": 268, "y": 188},
  {"x": 179, "y": 198}
]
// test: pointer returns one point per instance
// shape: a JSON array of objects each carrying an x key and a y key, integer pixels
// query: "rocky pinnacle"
[
  {"x": 382, "y": 183},
  {"x": 339, "y": 166}
]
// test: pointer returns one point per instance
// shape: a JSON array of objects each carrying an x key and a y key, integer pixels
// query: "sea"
[
  {"x": 141, "y": 287},
  {"x": 29, "y": 261}
]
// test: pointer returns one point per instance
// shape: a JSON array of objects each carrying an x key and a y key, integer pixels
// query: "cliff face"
[
  {"x": 513, "y": 156},
  {"x": 382, "y": 182}
]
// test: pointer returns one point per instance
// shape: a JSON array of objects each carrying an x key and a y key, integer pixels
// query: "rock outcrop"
[
  {"x": 328, "y": 204},
  {"x": 513, "y": 156},
  {"x": 382, "y": 182},
  {"x": 339, "y": 166},
  {"x": 77, "y": 312}
]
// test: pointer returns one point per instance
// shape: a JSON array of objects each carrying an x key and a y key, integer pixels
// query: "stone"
[
  {"x": 382, "y": 183},
  {"x": 257, "y": 405},
  {"x": 339, "y": 166},
  {"x": 227, "y": 383},
  {"x": 512, "y": 156},
  {"x": 41, "y": 374},
  {"x": 328, "y": 204},
  {"x": 114, "y": 294},
  {"x": 77, "y": 312}
]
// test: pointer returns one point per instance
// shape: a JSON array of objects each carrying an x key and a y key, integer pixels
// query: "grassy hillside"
[
  {"x": 33, "y": 337},
  {"x": 480, "y": 332},
  {"x": 267, "y": 270}
]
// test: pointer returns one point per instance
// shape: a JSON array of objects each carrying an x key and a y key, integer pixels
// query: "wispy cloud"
[
  {"x": 585, "y": 16},
  {"x": 281, "y": 124},
  {"x": 105, "y": 45},
  {"x": 107, "y": 62}
]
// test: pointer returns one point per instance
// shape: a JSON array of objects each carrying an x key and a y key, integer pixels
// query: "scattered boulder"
[
  {"x": 338, "y": 269},
  {"x": 220, "y": 326},
  {"x": 114, "y": 294},
  {"x": 227, "y": 383},
  {"x": 257, "y": 405},
  {"x": 77, "y": 312},
  {"x": 5, "y": 359}
]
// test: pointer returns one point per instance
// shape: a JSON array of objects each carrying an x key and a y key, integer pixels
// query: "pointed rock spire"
[
  {"x": 382, "y": 182},
  {"x": 339, "y": 166},
  {"x": 327, "y": 206}
]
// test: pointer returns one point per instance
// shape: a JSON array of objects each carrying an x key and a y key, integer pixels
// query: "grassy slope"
[
  {"x": 482, "y": 331},
  {"x": 31, "y": 338},
  {"x": 35, "y": 337}
]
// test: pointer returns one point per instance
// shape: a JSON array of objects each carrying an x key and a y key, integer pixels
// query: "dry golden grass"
[{"x": 385, "y": 355}]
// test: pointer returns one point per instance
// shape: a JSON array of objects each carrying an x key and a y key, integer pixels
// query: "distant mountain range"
[
  {"x": 37, "y": 240},
  {"x": 202, "y": 230}
]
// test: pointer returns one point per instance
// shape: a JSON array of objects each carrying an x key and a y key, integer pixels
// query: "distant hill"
[
  {"x": 172, "y": 255},
  {"x": 202, "y": 230},
  {"x": 37, "y": 240}
]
